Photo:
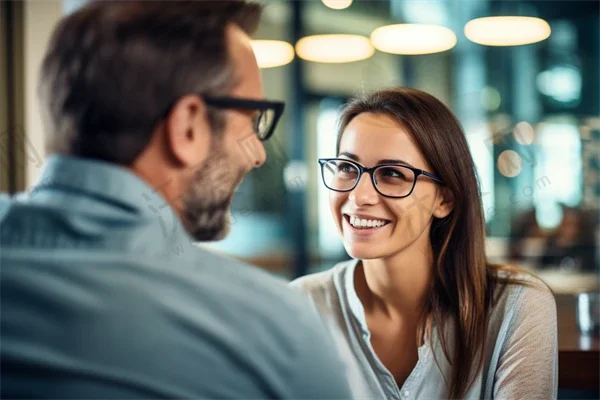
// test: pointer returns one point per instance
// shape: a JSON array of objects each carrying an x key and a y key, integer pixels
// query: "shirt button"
[{"x": 406, "y": 393}]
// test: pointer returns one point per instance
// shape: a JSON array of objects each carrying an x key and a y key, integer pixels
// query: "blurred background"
[
  {"x": 527, "y": 91},
  {"x": 529, "y": 105}
]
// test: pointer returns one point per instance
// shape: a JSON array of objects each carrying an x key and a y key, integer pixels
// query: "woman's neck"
[{"x": 397, "y": 285}]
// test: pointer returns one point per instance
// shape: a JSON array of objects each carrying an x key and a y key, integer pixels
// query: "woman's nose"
[{"x": 364, "y": 193}]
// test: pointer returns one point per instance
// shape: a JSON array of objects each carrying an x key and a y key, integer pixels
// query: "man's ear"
[
  {"x": 445, "y": 203},
  {"x": 188, "y": 132}
]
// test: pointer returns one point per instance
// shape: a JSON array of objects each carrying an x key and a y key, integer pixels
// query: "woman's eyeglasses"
[
  {"x": 265, "y": 121},
  {"x": 390, "y": 180}
]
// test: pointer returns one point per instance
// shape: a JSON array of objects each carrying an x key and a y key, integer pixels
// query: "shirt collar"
[
  {"x": 111, "y": 182},
  {"x": 356, "y": 307}
]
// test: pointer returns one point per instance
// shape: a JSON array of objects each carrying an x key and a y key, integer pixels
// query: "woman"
[{"x": 419, "y": 309}]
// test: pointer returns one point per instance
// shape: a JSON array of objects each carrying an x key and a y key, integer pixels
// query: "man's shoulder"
[
  {"x": 4, "y": 204},
  {"x": 248, "y": 286},
  {"x": 238, "y": 273},
  {"x": 6, "y": 201}
]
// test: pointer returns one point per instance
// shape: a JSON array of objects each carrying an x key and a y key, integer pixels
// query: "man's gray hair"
[{"x": 113, "y": 69}]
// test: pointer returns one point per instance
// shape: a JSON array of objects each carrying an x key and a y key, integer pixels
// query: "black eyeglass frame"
[
  {"x": 418, "y": 172},
  {"x": 247, "y": 104}
]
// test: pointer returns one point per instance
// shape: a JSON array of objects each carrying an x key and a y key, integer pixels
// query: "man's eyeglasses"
[
  {"x": 269, "y": 112},
  {"x": 390, "y": 180}
]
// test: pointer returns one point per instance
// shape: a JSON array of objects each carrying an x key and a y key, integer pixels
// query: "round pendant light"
[
  {"x": 507, "y": 30},
  {"x": 334, "y": 48},
  {"x": 413, "y": 39},
  {"x": 337, "y": 4},
  {"x": 272, "y": 53}
]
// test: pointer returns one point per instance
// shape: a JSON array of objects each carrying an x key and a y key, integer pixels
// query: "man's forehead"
[
  {"x": 249, "y": 81},
  {"x": 248, "y": 87}
]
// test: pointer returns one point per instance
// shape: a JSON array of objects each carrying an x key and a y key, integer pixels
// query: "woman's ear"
[{"x": 445, "y": 203}]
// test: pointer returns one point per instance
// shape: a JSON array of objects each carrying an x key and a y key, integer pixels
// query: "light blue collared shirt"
[
  {"x": 104, "y": 295},
  {"x": 520, "y": 356}
]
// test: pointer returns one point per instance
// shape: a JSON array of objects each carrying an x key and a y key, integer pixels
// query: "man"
[{"x": 154, "y": 113}]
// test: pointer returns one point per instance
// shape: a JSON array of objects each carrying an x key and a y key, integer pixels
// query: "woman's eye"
[
  {"x": 389, "y": 172},
  {"x": 345, "y": 167}
]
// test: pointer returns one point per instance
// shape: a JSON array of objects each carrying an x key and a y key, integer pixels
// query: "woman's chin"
[{"x": 362, "y": 252}]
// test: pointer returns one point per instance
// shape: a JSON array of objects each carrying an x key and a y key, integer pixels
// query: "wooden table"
[{"x": 578, "y": 355}]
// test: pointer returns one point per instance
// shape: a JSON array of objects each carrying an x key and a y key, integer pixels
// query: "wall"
[{"x": 40, "y": 18}]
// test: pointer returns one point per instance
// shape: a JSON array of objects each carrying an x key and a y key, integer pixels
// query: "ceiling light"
[
  {"x": 490, "y": 98},
  {"x": 507, "y": 31},
  {"x": 272, "y": 53},
  {"x": 524, "y": 133},
  {"x": 562, "y": 83},
  {"x": 412, "y": 39},
  {"x": 337, "y": 4},
  {"x": 510, "y": 163},
  {"x": 334, "y": 48}
]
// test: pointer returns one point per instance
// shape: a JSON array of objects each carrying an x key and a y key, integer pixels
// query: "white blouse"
[{"x": 520, "y": 359}]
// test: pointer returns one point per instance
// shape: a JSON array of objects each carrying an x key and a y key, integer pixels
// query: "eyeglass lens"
[
  {"x": 264, "y": 122},
  {"x": 393, "y": 181}
]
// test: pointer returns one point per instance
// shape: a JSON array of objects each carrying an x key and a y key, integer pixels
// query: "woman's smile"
[{"x": 362, "y": 225}]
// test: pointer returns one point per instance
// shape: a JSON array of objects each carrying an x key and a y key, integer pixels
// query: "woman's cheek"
[{"x": 336, "y": 201}]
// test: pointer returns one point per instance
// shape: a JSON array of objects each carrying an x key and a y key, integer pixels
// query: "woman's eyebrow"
[
  {"x": 383, "y": 161},
  {"x": 391, "y": 161},
  {"x": 349, "y": 155}
]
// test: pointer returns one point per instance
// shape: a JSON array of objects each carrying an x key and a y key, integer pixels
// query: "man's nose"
[
  {"x": 260, "y": 156},
  {"x": 364, "y": 193},
  {"x": 252, "y": 152}
]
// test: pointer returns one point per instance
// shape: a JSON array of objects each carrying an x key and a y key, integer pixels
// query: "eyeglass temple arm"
[{"x": 432, "y": 176}]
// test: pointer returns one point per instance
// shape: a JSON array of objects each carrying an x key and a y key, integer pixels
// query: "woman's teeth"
[{"x": 366, "y": 223}]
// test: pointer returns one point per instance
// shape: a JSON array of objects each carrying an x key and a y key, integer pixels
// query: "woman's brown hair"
[{"x": 465, "y": 284}]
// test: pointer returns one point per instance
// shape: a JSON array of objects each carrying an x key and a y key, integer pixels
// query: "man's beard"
[{"x": 207, "y": 203}]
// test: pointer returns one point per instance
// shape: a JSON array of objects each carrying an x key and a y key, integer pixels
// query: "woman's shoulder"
[
  {"x": 519, "y": 293},
  {"x": 519, "y": 281},
  {"x": 322, "y": 289},
  {"x": 323, "y": 281}
]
